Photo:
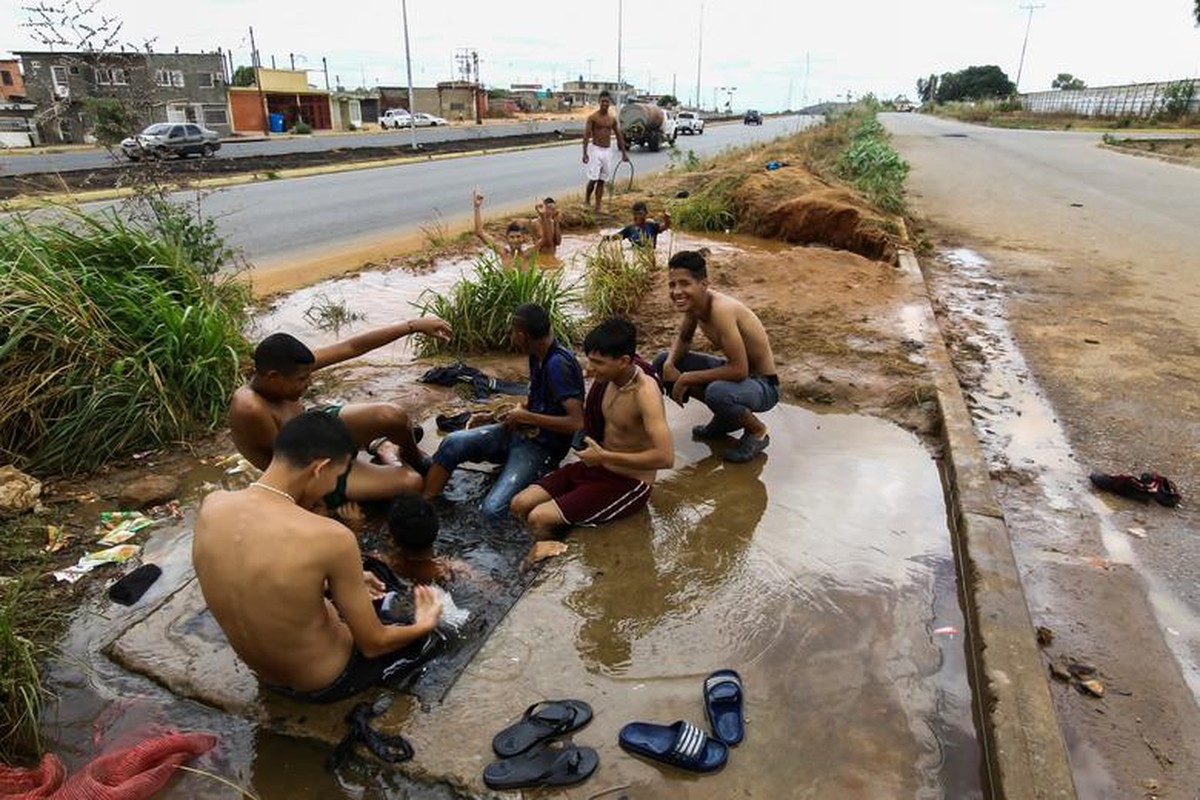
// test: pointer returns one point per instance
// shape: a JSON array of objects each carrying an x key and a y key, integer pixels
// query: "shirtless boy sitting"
[
  {"x": 264, "y": 564},
  {"x": 546, "y": 229},
  {"x": 614, "y": 474},
  {"x": 283, "y": 370},
  {"x": 734, "y": 387}
]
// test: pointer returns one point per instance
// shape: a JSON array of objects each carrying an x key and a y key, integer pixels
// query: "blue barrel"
[{"x": 277, "y": 123}]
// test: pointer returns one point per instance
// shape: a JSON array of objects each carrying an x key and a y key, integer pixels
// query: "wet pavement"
[{"x": 823, "y": 572}]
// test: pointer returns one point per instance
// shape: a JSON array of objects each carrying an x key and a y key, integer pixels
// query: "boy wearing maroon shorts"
[{"x": 625, "y": 447}]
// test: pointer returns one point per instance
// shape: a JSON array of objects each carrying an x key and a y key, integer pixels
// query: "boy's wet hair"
[
  {"x": 532, "y": 320},
  {"x": 314, "y": 435},
  {"x": 282, "y": 353},
  {"x": 690, "y": 260},
  {"x": 605, "y": 95},
  {"x": 549, "y": 201},
  {"x": 639, "y": 207},
  {"x": 613, "y": 338},
  {"x": 412, "y": 522},
  {"x": 515, "y": 227}
]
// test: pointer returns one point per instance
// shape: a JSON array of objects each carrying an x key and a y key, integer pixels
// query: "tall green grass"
[
  {"x": 479, "y": 306},
  {"x": 874, "y": 167},
  {"x": 614, "y": 283},
  {"x": 112, "y": 338},
  {"x": 21, "y": 690}
]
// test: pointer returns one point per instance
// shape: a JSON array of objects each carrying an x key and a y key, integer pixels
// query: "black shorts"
[{"x": 360, "y": 672}]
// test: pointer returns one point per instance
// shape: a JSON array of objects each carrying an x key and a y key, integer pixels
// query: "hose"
[{"x": 613, "y": 180}]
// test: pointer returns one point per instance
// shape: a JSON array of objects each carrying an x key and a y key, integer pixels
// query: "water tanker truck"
[{"x": 647, "y": 125}]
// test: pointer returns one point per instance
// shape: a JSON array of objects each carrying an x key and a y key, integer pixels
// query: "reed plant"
[
  {"x": 479, "y": 307},
  {"x": 874, "y": 167},
  {"x": 21, "y": 690},
  {"x": 615, "y": 282},
  {"x": 112, "y": 339}
]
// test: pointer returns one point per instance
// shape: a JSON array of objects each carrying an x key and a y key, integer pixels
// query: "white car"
[
  {"x": 395, "y": 118},
  {"x": 422, "y": 120},
  {"x": 689, "y": 122}
]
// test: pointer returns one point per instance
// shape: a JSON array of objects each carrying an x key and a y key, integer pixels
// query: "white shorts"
[{"x": 599, "y": 166}]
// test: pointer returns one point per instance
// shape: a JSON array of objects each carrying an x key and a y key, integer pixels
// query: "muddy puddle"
[{"x": 823, "y": 573}]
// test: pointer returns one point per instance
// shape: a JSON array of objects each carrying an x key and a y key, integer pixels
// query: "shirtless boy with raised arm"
[
  {"x": 264, "y": 564},
  {"x": 546, "y": 229},
  {"x": 619, "y": 464},
  {"x": 735, "y": 386},
  {"x": 598, "y": 134},
  {"x": 283, "y": 370}
]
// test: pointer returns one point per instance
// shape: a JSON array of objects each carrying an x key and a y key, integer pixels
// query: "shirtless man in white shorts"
[{"x": 598, "y": 134}]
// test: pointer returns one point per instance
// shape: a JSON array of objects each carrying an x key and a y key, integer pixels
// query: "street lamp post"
[
  {"x": 729, "y": 100},
  {"x": 620, "y": 28},
  {"x": 1025, "y": 43},
  {"x": 412, "y": 119}
]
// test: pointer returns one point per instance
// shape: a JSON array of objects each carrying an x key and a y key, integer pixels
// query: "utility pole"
[
  {"x": 699, "y": 53},
  {"x": 1028, "y": 23},
  {"x": 412, "y": 127},
  {"x": 325, "y": 69},
  {"x": 254, "y": 61},
  {"x": 292, "y": 56},
  {"x": 620, "y": 28}
]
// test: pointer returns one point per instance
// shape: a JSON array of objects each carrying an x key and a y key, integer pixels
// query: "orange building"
[
  {"x": 283, "y": 95},
  {"x": 12, "y": 87}
]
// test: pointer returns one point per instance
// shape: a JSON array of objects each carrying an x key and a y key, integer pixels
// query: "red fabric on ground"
[
  {"x": 19, "y": 783},
  {"x": 133, "y": 773}
]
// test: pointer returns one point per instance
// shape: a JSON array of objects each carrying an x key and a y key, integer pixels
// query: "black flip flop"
[
  {"x": 541, "y": 721},
  {"x": 543, "y": 766}
]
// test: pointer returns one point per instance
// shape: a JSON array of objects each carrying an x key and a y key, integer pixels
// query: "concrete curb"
[
  {"x": 1169, "y": 159},
  {"x": 1023, "y": 750}
]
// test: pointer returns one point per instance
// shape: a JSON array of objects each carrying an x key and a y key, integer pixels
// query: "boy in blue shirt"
[{"x": 643, "y": 231}]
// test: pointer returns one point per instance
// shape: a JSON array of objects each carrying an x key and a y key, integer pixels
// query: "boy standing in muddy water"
[
  {"x": 546, "y": 228},
  {"x": 598, "y": 134},
  {"x": 735, "y": 386},
  {"x": 283, "y": 370},
  {"x": 265, "y": 563},
  {"x": 623, "y": 451}
]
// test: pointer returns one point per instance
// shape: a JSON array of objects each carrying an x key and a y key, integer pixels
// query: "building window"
[
  {"x": 207, "y": 80},
  {"x": 216, "y": 115},
  {"x": 169, "y": 77},
  {"x": 74, "y": 69},
  {"x": 106, "y": 76},
  {"x": 58, "y": 75},
  {"x": 6, "y": 77}
]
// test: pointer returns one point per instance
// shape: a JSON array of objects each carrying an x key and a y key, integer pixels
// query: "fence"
[{"x": 1131, "y": 100}]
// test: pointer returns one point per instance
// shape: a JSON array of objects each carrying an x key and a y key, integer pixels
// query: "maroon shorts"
[{"x": 594, "y": 495}]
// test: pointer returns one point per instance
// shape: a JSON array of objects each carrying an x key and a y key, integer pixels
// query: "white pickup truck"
[{"x": 688, "y": 122}]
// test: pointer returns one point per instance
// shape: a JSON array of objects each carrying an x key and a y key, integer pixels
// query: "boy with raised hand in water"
[{"x": 516, "y": 236}]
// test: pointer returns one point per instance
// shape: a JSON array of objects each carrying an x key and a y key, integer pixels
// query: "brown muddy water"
[{"x": 822, "y": 572}]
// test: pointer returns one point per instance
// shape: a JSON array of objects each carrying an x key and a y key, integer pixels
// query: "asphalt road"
[
  {"x": 300, "y": 217},
  {"x": 1077, "y": 338},
  {"x": 20, "y": 164}
]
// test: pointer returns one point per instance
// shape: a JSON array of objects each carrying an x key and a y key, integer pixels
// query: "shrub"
[
  {"x": 874, "y": 166},
  {"x": 112, "y": 339},
  {"x": 21, "y": 691},
  {"x": 480, "y": 305},
  {"x": 302, "y": 128},
  {"x": 615, "y": 283}
]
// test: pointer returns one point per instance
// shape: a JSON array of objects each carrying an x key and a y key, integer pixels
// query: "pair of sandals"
[
  {"x": 530, "y": 754},
  {"x": 682, "y": 744}
]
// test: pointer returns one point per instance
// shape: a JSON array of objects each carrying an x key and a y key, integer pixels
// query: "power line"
[{"x": 1021, "y": 66}]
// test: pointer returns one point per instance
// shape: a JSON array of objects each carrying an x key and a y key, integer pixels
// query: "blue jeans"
[
  {"x": 729, "y": 400},
  {"x": 523, "y": 460}
]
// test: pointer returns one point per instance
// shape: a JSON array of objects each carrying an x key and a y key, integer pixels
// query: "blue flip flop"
[
  {"x": 723, "y": 705},
  {"x": 680, "y": 744}
]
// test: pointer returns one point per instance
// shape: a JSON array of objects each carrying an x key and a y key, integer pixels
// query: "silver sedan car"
[{"x": 164, "y": 139}]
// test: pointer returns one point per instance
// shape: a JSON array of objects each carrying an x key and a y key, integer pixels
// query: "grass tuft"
[
  {"x": 480, "y": 306},
  {"x": 614, "y": 282}
]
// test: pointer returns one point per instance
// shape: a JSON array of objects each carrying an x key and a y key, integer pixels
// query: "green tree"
[
  {"x": 1196, "y": 11},
  {"x": 670, "y": 100},
  {"x": 112, "y": 119},
  {"x": 1066, "y": 80},
  {"x": 974, "y": 83},
  {"x": 927, "y": 87},
  {"x": 243, "y": 76}
]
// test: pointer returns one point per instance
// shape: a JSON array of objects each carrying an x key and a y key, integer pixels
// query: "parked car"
[
  {"x": 688, "y": 122},
  {"x": 394, "y": 118},
  {"x": 752, "y": 118},
  {"x": 423, "y": 120},
  {"x": 164, "y": 139}
]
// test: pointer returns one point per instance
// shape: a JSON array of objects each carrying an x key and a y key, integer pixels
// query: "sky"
[{"x": 765, "y": 54}]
